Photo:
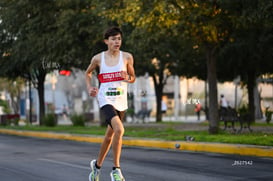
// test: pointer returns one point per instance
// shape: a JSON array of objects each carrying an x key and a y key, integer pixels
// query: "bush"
[
  {"x": 5, "y": 106},
  {"x": 78, "y": 120},
  {"x": 243, "y": 110},
  {"x": 268, "y": 115},
  {"x": 14, "y": 121},
  {"x": 50, "y": 120}
]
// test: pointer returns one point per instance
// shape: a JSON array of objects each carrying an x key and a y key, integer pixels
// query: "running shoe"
[
  {"x": 116, "y": 175},
  {"x": 95, "y": 173}
]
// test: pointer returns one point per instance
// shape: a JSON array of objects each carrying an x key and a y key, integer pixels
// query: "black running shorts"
[{"x": 109, "y": 112}]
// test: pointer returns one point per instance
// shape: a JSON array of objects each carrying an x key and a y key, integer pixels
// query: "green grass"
[
  {"x": 257, "y": 138},
  {"x": 167, "y": 132},
  {"x": 94, "y": 130}
]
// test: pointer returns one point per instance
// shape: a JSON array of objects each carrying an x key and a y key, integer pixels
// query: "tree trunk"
[
  {"x": 213, "y": 101},
  {"x": 257, "y": 102},
  {"x": 30, "y": 101},
  {"x": 206, "y": 101},
  {"x": 40, "y": 88},
  {"x": 158, "y": 93},
  {"x": 251, "y": 78}
]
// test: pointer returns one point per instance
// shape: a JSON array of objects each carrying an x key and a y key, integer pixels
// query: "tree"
[
  {"x": 250, "y": 51},
  {"x": 206, "y": 24},
  {"x": 35, "y": 33},
  {"x": 14, "y": 88},
  {"x": 79, "y": 33},
  {"x": 29, "y": 30}
]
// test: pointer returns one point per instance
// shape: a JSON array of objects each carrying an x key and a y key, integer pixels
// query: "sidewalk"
[{"x": 237, "y": 149}]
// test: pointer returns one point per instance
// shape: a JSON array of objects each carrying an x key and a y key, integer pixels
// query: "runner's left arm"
[{"x": 130, "y": 77}]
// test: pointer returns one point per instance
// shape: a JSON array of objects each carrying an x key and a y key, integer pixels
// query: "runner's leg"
[
  {"x": 105, "y": 146},
  {"x": 117, "y": 139}
]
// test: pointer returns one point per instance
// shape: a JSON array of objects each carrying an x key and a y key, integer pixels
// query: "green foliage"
[
  {"x": 130, "y": 112},
  {"x": 78, "y": 119},
  {"x": 50, "y": 120},
  {"x": 243, "y": 109},
  {"x": 5, "y": 106},
  {"x": 13, "y": 121},
  {"x": 79, "y": 33},
  {"x": 33, "y": 34},
  {"x": 249, "y": 48},
  {"x": 14, "y": 88}
]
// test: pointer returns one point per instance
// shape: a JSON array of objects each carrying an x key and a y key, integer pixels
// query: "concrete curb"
[{"x": 246, "y": 150}]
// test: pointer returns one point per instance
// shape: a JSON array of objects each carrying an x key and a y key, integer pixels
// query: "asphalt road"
[{"x": 36, "y": 159}]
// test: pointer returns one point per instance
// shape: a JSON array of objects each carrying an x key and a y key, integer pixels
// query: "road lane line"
[{"x": 64, "y": 163}]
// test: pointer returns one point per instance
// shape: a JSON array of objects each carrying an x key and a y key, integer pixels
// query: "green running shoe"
[
  {"x": 95, "y": 173},
  {"x": 116, "y": 175}
]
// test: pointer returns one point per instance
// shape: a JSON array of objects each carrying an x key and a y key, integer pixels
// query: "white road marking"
[{"x": 64, "y": 163}]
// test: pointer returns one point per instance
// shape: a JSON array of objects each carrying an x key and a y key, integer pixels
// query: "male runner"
[{"x": 116, "y": 70}]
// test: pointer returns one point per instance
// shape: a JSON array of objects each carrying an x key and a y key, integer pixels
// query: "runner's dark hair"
[{"x": 113, "y": 31}]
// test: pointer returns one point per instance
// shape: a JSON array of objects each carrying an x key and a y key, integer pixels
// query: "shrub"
[
  {"x": 5, "y": 106},
  {"x": 14, "y": 121},
  {"x": 243, "y": 110},
  {"x": 268, "y": 115},
  {"x": 78, "y": 120},
  {"x": 50, "y": 120}
]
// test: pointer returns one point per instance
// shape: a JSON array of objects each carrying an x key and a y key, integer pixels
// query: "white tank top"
[{"x": 112, "y": 89}]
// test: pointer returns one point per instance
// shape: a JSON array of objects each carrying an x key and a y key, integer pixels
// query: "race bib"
[{"x": 114, "y": 92}]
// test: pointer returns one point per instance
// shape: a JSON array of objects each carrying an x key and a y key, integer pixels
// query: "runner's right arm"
[{"x": 92, "y": 91}]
